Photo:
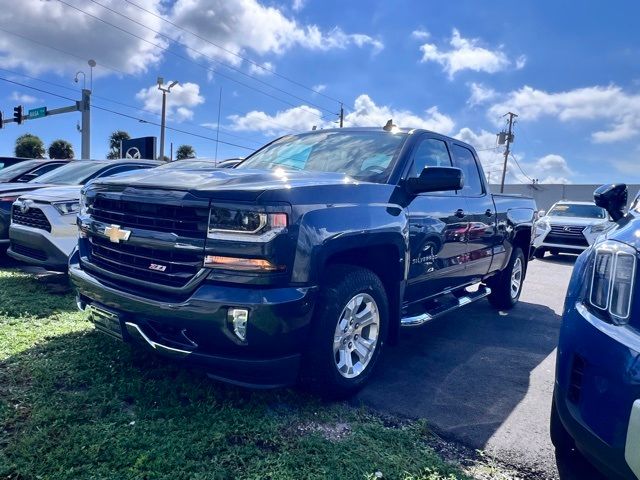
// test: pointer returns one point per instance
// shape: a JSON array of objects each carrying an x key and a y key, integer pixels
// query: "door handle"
[
  {"x": 488, "y": 213},
  {"x": 459, "y": 213}
]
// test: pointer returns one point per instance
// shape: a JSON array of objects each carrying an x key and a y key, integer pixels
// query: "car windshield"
[
  {"x": 188, "y": 165},
  {"x": 364, "y": 155},
  {"x": 577, "y": 210},
  {"x": 75, "y": 173},
  {"x": 17, "y": 169}
]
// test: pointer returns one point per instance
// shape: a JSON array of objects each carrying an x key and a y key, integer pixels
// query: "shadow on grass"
[{"x": 84, "y": 406}]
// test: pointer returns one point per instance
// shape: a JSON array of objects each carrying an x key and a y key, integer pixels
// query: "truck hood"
[
  {"x": 54, "y": 194},
  {"x": 240, "y": 184}
]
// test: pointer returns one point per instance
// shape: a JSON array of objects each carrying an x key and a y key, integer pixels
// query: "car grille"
[
  {"x": 28, "y": 251},
  {"x": 186, "y": 221},
  {"x": 33, "y": 217},
  {"x": 567, "y": 235},
  {"x": 172, "y": 268}
]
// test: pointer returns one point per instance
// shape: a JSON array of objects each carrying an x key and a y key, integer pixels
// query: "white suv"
[{"x": 569, "y": 227}]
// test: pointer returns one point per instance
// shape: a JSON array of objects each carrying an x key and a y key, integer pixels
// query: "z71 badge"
[{"x": 157, "y": 267}]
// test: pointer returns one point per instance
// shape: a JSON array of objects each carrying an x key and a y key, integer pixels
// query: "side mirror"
[
  {"x": 437, "y": 179},
  {"x": 541, "y": 213},
  {"x": 613, "y": 198}
]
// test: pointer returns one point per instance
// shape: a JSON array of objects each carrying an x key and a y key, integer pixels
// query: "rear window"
[
  {"x": 16, "y": 169},
  {"x": 577, "y": 210}
]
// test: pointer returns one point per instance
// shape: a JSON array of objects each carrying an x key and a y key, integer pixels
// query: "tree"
[
  {"x": 29, "y": 146},
  {"x": 185, "y": 151},
  {"x": 60, "y": 149},
  {"x": 114, "y": 143}
]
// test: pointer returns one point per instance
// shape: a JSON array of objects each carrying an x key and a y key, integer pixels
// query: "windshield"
[
  {"x": 75, "y": 173},
  {"x": 13, "y": 171},
  {"x": 578, "y": 210},
  {"x": 188, "y": 165},
  {"x": 365, "y": 155}
]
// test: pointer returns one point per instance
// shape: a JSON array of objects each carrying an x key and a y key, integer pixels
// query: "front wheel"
[
  {"x": 506, "y": 287},
  {"x": 348, "y": 332}
]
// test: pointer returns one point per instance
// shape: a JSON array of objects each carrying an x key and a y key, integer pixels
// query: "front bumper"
[
  {"x": 597, "y": 389},
  {"x": 196, "y": 330},
  {"x": 41, "y": 248}
]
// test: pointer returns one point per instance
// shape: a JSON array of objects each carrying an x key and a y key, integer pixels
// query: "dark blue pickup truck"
[{"x": 303, "y": 261}]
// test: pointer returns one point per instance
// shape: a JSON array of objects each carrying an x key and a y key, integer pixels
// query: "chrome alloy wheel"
[
  {"x": 356, "y": 335},
  {"x": 516, "y": 278}
]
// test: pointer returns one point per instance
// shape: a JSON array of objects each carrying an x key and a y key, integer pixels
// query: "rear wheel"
[
  {"x": 348, "y": 333},
  {"x": 507, "y": 286}
]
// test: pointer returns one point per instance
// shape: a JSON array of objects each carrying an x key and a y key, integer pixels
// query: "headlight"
[
  {"x": 84, "y": 207},
  {"x": 599, "y": 227},
  {"x": 613, "y": 278},
  {"x": 67, "y": 208},
  {"x": 245, "y": 224},
  {"x": 542, "y": 226}
]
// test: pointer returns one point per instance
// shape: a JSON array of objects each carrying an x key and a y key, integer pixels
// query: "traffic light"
[{"x": 17, "y": 114}]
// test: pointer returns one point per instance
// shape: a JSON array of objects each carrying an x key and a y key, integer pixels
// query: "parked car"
[
  {"x": 9, "y": 161},
  {"x": 569, "y": 227},
  {"x": 596, "y": 400},
  {"x": 29, "y": 170},
  {"x": 303, "y": 260},
  {"x": 201, "y": 164},
  {"x": 77, "y": 172}
]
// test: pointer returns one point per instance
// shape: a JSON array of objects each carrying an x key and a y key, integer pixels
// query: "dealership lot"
[
  {"x": 485, "y": 378},
  {"x": 478, "y": 377}
]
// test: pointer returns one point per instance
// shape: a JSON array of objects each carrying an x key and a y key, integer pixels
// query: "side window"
[
  {"x": 430, "y": 153},
  {"x": 121, "y": 169},
  {"x": 43, "y": 169},
  {"x": 465, "y": 161}
]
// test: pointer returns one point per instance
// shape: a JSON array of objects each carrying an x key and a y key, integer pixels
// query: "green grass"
[{"x": 77, "y": 405}]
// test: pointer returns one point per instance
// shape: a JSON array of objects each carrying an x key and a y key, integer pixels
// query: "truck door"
[
  {"x": 480, "y": 211},
  {"x": 437, "y": 228}
]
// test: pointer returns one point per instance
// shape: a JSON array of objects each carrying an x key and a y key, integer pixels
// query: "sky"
[{"x": 570, "y": 71}]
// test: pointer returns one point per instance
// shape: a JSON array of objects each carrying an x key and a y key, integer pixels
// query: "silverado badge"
[
  {"x": 157, "y": 267},
  {"x": 115, "y": 233}
]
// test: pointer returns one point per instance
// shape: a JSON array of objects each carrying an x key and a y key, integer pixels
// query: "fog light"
[{"x": 239, "y": 317}]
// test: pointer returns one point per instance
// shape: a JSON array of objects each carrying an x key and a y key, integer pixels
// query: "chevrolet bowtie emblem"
[{"x": 115, "y": 233}]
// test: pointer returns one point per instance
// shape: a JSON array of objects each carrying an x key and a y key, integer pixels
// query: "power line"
[
  {"x": 231, "y": 52},
  {"x": 185, "y": 58},
  {"x": 523, "y": 172},
  {"x": 126, "y": 115}
]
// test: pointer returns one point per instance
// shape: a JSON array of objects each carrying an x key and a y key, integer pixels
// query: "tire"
[
  {"x": 539, "y": 253},
  {"x": 560, "y": 438},
  {"x": 504, "y": 294},
  {"x": 325, "y": 367}
]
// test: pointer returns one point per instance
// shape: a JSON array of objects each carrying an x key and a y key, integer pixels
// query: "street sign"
[{"x": 37, "y": 112}]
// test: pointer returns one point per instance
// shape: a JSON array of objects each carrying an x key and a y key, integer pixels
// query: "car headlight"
[
  {"x": 245, "y": 224},
  {"x": 67, "y": 208},
  {"x": 599, "y": 227},
  {"x": 84, "y": 208},
  {"x": 613, "y": 278},
  {"x": 542, "y": 226}
]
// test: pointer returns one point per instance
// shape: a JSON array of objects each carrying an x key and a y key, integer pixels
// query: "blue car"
[{"x": 596, "y": 400}]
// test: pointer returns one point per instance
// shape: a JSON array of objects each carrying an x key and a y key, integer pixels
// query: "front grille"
[
  {"x": 21, "y": 249},
  {"x": 33, "y": 217},
  {"x": 575, "y": 379},
  {"x": 172, "y": 268},
  {"x": 186, "y": 221},
  {"x": 567, "y": 235}
]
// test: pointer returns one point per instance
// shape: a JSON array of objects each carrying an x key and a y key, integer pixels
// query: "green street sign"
[{"x": 37, "y": 112}]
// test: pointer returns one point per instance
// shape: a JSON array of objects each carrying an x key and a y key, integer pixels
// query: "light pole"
[{"x": 164, "y": 91}]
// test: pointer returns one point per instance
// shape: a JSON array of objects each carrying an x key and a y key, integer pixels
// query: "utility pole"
[
  {"x": 85, "y": 110},
  {"x": 341, "y": 115},
  {"x": 507, "y": 150},
  {"x": 164, "y": 91},
  {"x": 215, "y": 160}
]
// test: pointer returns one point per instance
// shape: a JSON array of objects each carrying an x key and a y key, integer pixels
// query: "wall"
[{"x": 546, "y": 195}]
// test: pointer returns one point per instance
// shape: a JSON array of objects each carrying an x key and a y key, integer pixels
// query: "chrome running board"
[{"x": 417, "y": 320}]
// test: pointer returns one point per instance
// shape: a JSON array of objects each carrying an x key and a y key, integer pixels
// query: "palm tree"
[
  {"x": 29, "y": 146},
  {"x": 185, "y": 151},
  {"x": 60, "y": 149},
  {"x": 114, "y": 143}
]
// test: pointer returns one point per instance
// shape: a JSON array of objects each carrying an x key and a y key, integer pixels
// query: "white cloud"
[
  {"x": 420, "y": 34},
  {"x": 321, "y": 87},
  {"x": 618, "y": 109},
  {"x": 266, "y": 68},
  {"x": 78, "y": 34},
  {"x": 551, "y": 168},
  {"x": 298, "y": 5},
  {"x": 465, "y": 54},
  {"x": 246, "y": 25},
  {"x": 365, "y": 112},
  {"x": 480, "y": 94},
  {"x": 180, "y": 101},
  {"x": 521, "y": 62},
  {"x": 22, "y": 98}
]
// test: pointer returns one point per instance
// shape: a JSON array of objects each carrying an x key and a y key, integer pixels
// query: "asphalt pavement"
[{"x": 484, "y": 378}]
